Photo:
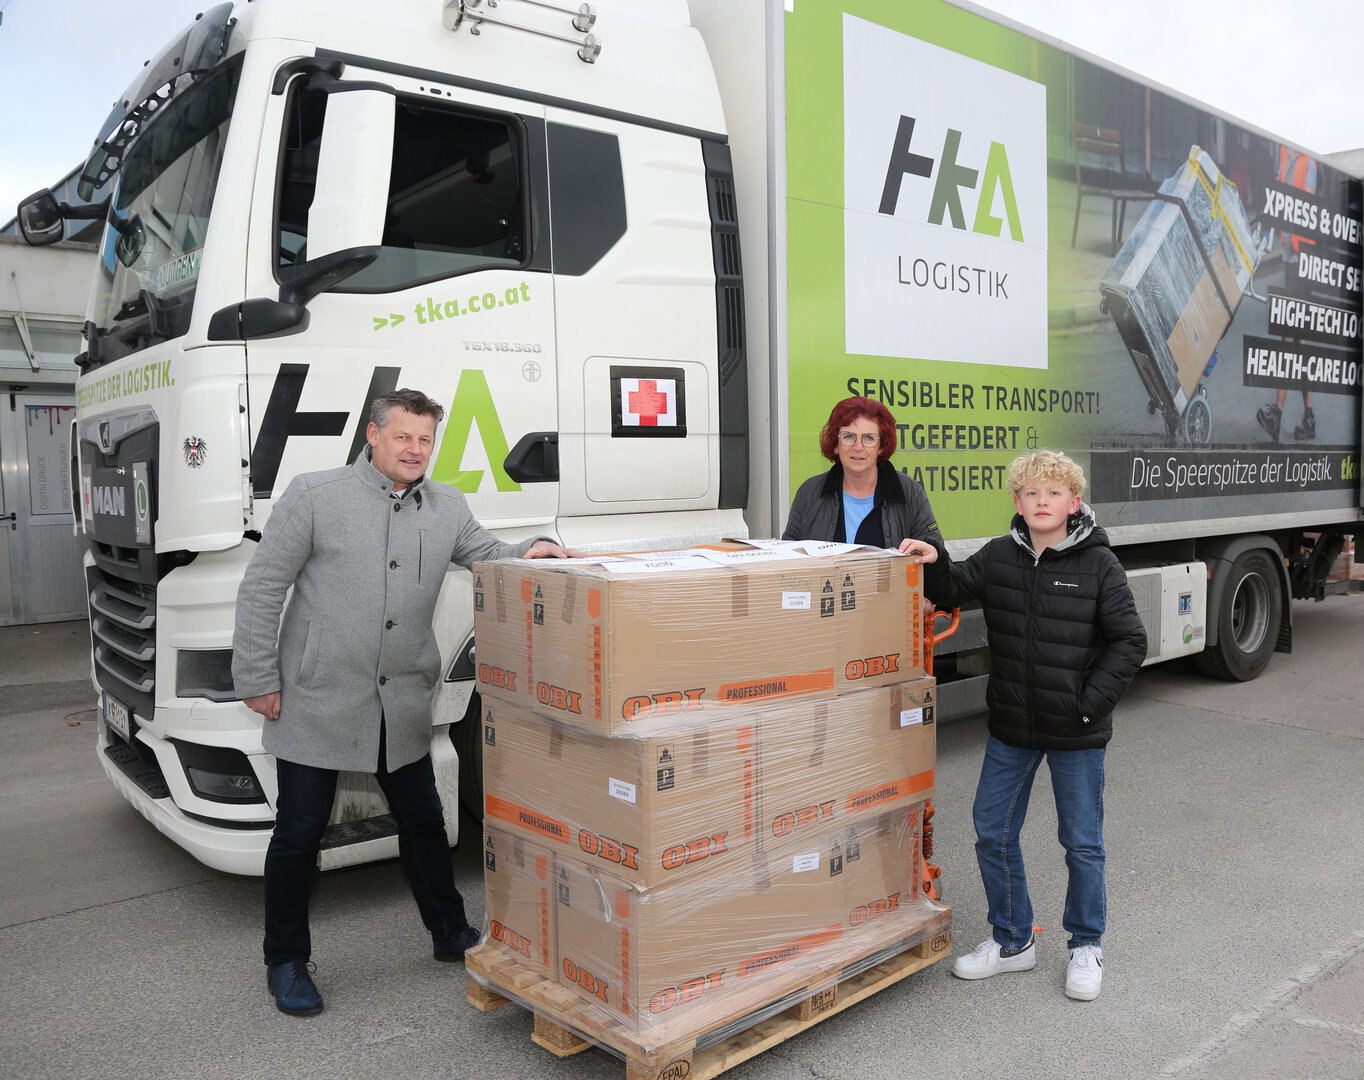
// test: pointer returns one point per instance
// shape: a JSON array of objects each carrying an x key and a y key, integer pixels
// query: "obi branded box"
[
  {"x": 657, "y": 808},
  {"x": 696, "y": 952},
  {"x": 518, "y": 878},
  {"x": 619, "y": 652}
]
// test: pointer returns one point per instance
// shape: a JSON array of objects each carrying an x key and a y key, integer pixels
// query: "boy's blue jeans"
[{"x": 1077, "y": 781}]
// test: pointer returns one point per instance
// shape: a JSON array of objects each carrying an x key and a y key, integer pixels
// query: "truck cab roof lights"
[
  {"x": 455, "y": 12},
  {"x": 197, "y": 50}
]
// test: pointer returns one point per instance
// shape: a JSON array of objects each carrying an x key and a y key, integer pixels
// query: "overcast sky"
[{"x": 1294, "y": 68}]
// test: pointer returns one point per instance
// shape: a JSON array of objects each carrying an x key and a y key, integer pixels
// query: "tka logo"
[
  {"x": 871, "y": 667},
  {"x": 952, "y": 178},
  {"x": 945, "y": 189}
]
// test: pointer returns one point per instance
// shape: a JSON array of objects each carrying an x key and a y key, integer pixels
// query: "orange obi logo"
[
  {"x": 694, "y": 851},
  {"x": 610, "y": 850},
  {"x": 496, "y": 676},
  {"x": 802, "y": 818},
  {"x": 557, "y": 697},
  {"x": 665, "y": 704},
  {"x": 688, "y": 991},
  {"x": 509, "y": 937},
  {"x": 871, "y": 667},
  {"x": 865, "y": 913},
  {"x": 584, "y": 978}
]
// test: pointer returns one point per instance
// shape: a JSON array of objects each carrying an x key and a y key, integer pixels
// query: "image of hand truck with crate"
[{"x": 1174, "y": 289}]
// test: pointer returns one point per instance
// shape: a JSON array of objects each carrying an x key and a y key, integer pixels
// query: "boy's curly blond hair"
[{"x": 1045, "y": 465}]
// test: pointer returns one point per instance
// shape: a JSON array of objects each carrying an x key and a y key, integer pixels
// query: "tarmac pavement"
[{"x": 1236, "y": 913}]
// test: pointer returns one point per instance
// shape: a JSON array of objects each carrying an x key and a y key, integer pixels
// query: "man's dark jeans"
[{"x": 305, "y": 803}]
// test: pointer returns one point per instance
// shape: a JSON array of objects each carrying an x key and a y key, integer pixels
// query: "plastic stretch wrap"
[
  {"x": 631, "y": 646},
  {"x": 720, "y": 945},
  {"x": 719, "y": 793},
  {"x": 705, "y": 775},
  {"x": 1178, "y": 279}
]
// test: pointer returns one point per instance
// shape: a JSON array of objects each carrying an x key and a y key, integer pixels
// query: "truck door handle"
[{"x": 535, "y": 458}]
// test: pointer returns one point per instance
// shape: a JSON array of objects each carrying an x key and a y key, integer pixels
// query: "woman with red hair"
[{"x": 862, "y": 499}]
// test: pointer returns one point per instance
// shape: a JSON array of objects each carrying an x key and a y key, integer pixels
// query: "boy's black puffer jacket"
[{"x": 1064, "y": 635}]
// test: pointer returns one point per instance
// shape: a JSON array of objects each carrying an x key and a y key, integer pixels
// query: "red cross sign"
[{"x": 648, "y": 402}]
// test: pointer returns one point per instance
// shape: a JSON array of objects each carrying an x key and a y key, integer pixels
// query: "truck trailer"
[{"x": 638, "y": 249}]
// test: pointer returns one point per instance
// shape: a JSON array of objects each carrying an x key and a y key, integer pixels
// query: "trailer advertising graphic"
[
  {"x": 945, "y": 230},
  {"x": 1017, "y": 248}
]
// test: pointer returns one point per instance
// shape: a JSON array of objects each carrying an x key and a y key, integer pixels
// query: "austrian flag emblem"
[
  {"x": 195, "y": 450},
  {"x": 648, "y": 402}
]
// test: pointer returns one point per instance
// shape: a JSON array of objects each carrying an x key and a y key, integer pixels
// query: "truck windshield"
[{"x": 153, "y": 245}]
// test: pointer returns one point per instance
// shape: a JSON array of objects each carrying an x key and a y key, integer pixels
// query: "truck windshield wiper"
[{"x": 146, "y": 317}]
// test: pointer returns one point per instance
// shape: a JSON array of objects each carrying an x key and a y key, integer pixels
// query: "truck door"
[
  {"x": 636, "y": 292},
  {"x": 458, "y": 301}
]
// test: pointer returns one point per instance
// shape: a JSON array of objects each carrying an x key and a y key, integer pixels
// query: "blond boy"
[{"x": 1065, "y": 642}]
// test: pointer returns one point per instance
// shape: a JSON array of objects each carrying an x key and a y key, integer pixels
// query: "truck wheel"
[
  {"x": 467, "y": 737},
  {"x": 1248, "y": 621}
]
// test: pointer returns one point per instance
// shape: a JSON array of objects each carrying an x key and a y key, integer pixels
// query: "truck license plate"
[{"x": 117, "y": 717}]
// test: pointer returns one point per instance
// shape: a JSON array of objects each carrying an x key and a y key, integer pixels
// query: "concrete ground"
[{"x": 1236, "y": 913}]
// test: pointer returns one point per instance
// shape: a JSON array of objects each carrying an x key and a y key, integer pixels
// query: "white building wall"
[{"x": 43, "y": 293}]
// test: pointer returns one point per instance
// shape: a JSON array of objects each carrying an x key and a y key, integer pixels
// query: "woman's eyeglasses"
[{"x": 849, "y": 438}]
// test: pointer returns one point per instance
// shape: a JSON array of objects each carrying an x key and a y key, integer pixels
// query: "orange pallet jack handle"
[
  {"x": 930, "y": 872},
  {"x": 931, "y": 637}
]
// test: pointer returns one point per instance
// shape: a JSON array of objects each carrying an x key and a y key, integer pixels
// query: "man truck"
[{"x": 639, "y": 248}]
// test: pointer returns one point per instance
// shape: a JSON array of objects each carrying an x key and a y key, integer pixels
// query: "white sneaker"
[
  {"x": 1085, "y": 973},
  {"x": 988, "y": 959}
]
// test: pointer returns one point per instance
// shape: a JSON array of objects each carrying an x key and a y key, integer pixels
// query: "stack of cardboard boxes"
[{"x": 704, "y": 785}]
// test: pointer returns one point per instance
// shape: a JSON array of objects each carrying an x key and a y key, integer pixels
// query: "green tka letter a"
[
  {"x": 997, "y": 177},
  {"x": 473, "y": 402}
]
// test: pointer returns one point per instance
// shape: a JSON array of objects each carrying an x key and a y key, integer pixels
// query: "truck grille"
[{"x": 123, "y": 626}]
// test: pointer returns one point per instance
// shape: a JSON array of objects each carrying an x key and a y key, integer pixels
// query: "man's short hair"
[
  {"x": 1047, "y": 466},
  {"x": 412, "y": 401}
]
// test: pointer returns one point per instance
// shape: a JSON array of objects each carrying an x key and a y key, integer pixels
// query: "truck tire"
[
  {"x": 1248, "y": 620},
  {"x": 467, "y": 737}
]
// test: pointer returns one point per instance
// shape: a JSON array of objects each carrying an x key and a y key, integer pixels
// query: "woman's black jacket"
[
  {"x": 1064, "y": 636},
  {"x": 905, "y": 513}
]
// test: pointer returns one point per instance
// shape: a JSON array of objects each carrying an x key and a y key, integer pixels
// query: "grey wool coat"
[{"x": 356, "y": 642}]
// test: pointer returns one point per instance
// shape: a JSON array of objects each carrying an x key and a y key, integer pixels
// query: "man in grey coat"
[{"x": 346, "y": 681}]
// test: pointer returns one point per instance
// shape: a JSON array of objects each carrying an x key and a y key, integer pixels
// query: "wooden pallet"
[{"x": 564, "y": 1027}]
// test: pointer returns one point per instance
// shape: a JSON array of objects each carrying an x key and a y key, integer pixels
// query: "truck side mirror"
[
  {"x": 40, "y": 219},
  {"x": 350, "y": 201},
  {"x": 132, "y": 239}
]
